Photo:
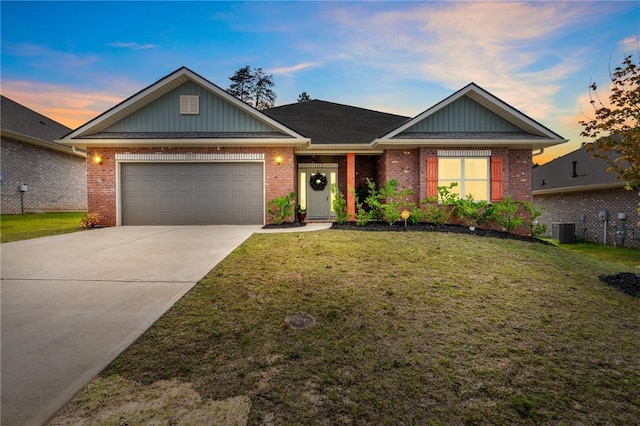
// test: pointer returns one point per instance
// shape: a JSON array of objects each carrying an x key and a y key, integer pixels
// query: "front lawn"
[
  {"x": 623, "y": 255},
  {"x": 411, "y": 328},
  {"x": 16, "y": 227}
]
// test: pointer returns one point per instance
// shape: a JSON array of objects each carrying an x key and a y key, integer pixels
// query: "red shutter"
[
  {"x": 432, "y": 177},
  {"x": 496, "y": 179}
]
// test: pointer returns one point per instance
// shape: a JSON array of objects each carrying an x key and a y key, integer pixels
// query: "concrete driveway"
[{"x": 71, "y": 303}]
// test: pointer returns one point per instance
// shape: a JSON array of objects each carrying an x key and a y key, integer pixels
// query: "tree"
[
  {"x": 617, "y": 127},
  {"x": 304, "y": 97},
  {"x": 242, "y": 86},
  {"x": 253, "y": 87},
  {"x": 264, "y": 97}
]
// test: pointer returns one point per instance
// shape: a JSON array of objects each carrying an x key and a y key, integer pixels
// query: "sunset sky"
[{"x": 71, "y": 61}]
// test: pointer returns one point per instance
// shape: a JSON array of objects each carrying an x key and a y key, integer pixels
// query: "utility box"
[
  {"x": 563, "y": 232},
  {"x": 603, "y": 215}
]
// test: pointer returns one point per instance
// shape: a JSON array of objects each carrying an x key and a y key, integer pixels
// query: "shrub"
[
  {"x": 505, "y": 213},
  {"x": 388, "y": 201},
  {"x": 339, "y": 205},
  {"x": 90, "y": 220},
  {"x": 536, "y": 229},
  {"x": 472, "y": 212},
  {"x": 281, "y": 208},
  {"x": 418, "y": 214}
]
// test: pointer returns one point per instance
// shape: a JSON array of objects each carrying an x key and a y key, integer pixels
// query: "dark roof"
[
  {"x": 559, "y": 173},
  {"x": 20, "y": 119},
  {"x": 330, "y": 123}
]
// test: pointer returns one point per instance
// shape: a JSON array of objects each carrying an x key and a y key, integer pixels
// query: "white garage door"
[{"x": 191, "y": 193}]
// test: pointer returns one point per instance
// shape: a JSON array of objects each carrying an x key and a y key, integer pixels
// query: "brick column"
[{"x": 351, "y": 185}]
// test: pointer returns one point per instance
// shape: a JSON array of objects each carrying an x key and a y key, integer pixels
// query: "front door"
[{"x": 316, "y": 196}]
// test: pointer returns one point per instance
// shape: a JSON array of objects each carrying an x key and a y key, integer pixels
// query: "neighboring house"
[
  {"x": 183, "y": 151},
  {"x": 576, "y": 188},
  {"x": 38, "y": 174}
]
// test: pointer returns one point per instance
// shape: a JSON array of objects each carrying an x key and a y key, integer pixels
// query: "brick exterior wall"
[
  {"x": 57, "y": 181},
  {"x": 581, "y": 209},
  {"x": 280, "y": 179},
  {"x": 408, "y": 167}
]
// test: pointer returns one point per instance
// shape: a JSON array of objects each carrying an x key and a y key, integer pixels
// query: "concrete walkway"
[{"x": 71, "y": 303}]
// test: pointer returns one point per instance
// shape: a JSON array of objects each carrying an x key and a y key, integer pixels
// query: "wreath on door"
[{"x": 318, "y": 182}]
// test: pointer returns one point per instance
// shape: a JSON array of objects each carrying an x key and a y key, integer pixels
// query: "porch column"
[{"x": 351, "y": 185}]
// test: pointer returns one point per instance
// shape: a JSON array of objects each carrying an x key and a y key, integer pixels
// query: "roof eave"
[
  {"x": 579, "y": 188},
  {"x": 384, "y": 143},
  {"x": 55, "y": 145},
  {"x": 339, "y": 149},
  {"x": 191, "y": 142}
]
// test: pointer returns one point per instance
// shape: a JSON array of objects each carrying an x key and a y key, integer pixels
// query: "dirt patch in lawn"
[
  {"x": 113, "y": 399},
  {"x": 626, "y": 282}
]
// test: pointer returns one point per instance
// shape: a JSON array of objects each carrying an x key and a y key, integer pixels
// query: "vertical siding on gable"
[
  {"x": 216, "y": 115},
  {"x": 463, "y": 115}
]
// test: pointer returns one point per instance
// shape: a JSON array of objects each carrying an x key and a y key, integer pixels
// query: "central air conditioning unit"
[{"x": 563, "y": 232}]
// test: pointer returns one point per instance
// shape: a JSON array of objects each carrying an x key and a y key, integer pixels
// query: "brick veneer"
[
  {"x": 280, "y": 179},
  {"x": 57, "y": 181},
  {"x": 581, "y": 209},
  {"x": 408, "y": 167}
]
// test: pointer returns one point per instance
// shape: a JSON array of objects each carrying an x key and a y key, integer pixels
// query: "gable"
[
  {"x": 215, "y": 115},
  {"x": 154, "y": 116},
  {"x": 463, "y": 115},
  {"x": 471, "y": 117}
]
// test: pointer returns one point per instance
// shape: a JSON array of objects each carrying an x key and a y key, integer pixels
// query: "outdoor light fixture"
[
  {"x": 97, "y": 159},
  {"x": 278, "y": 159}
]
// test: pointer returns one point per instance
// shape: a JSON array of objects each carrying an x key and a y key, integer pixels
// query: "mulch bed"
[
  {"x": 431, "y": 227},
  {"x": 285, "y": 225},
  {"x": 626, "y": 282}
]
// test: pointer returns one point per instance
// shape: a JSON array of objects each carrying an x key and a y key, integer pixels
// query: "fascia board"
[
  {"x": 338, "y": 149},
  {"x": 154, "y": 91},
  {"x": 186, "y": 142},
  {"x": 58, "y": 147},
  {"x": 507, "y": 143},
  {"x": 581, "y": 188}
]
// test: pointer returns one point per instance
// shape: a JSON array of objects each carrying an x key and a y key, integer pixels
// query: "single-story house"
[
  {"x": 577, "y": 190},
  {"x": 38, "y": 174},
  {"x": 184, "y": 151}
]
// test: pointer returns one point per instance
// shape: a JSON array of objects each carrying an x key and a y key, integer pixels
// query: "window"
[
  {"x": 472, "y": 175},
  {"x": 189, "y": 104}
]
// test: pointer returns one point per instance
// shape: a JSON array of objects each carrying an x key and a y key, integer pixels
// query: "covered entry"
[{"x": 192, "y": 193}]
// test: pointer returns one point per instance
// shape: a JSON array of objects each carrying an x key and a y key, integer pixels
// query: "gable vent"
[{"x": 189, "y": 104}]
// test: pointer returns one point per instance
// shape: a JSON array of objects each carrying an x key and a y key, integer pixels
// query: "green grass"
[
  {"x": 16, "y": 227},
  {"x": 623, "y": 255},
  {"x": 412, "y": 328}
]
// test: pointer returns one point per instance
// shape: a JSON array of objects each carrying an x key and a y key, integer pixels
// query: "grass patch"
[
  {"x": 622, "y": 255},
  {"x": 16, "y": 227},
  {"x": 412, "y": 328}
]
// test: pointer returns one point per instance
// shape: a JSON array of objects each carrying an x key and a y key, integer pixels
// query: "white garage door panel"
[{"x": 191, "y": 193}]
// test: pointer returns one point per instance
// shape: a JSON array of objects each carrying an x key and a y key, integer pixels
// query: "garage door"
[{"x": 191, "y": 193}]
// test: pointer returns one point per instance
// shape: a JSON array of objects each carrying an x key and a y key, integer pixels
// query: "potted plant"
[{"x": 302, "y": 214}]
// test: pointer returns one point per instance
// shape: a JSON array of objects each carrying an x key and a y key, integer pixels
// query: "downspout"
[{"x": 538, "y": 153}]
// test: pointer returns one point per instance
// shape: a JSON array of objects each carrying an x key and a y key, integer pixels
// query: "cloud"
[
  {"x": 507, "y": 48},
  {"x": 630, "y": 44},
  {"x": 67, "y": 105},
  {"x": 47, "y": 57},
  {"x": 293, "y": 69},
  {"x": 132, "y": 45}
]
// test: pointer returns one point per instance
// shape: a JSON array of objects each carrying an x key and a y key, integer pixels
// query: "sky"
[{"x": 71, "y": 61}]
